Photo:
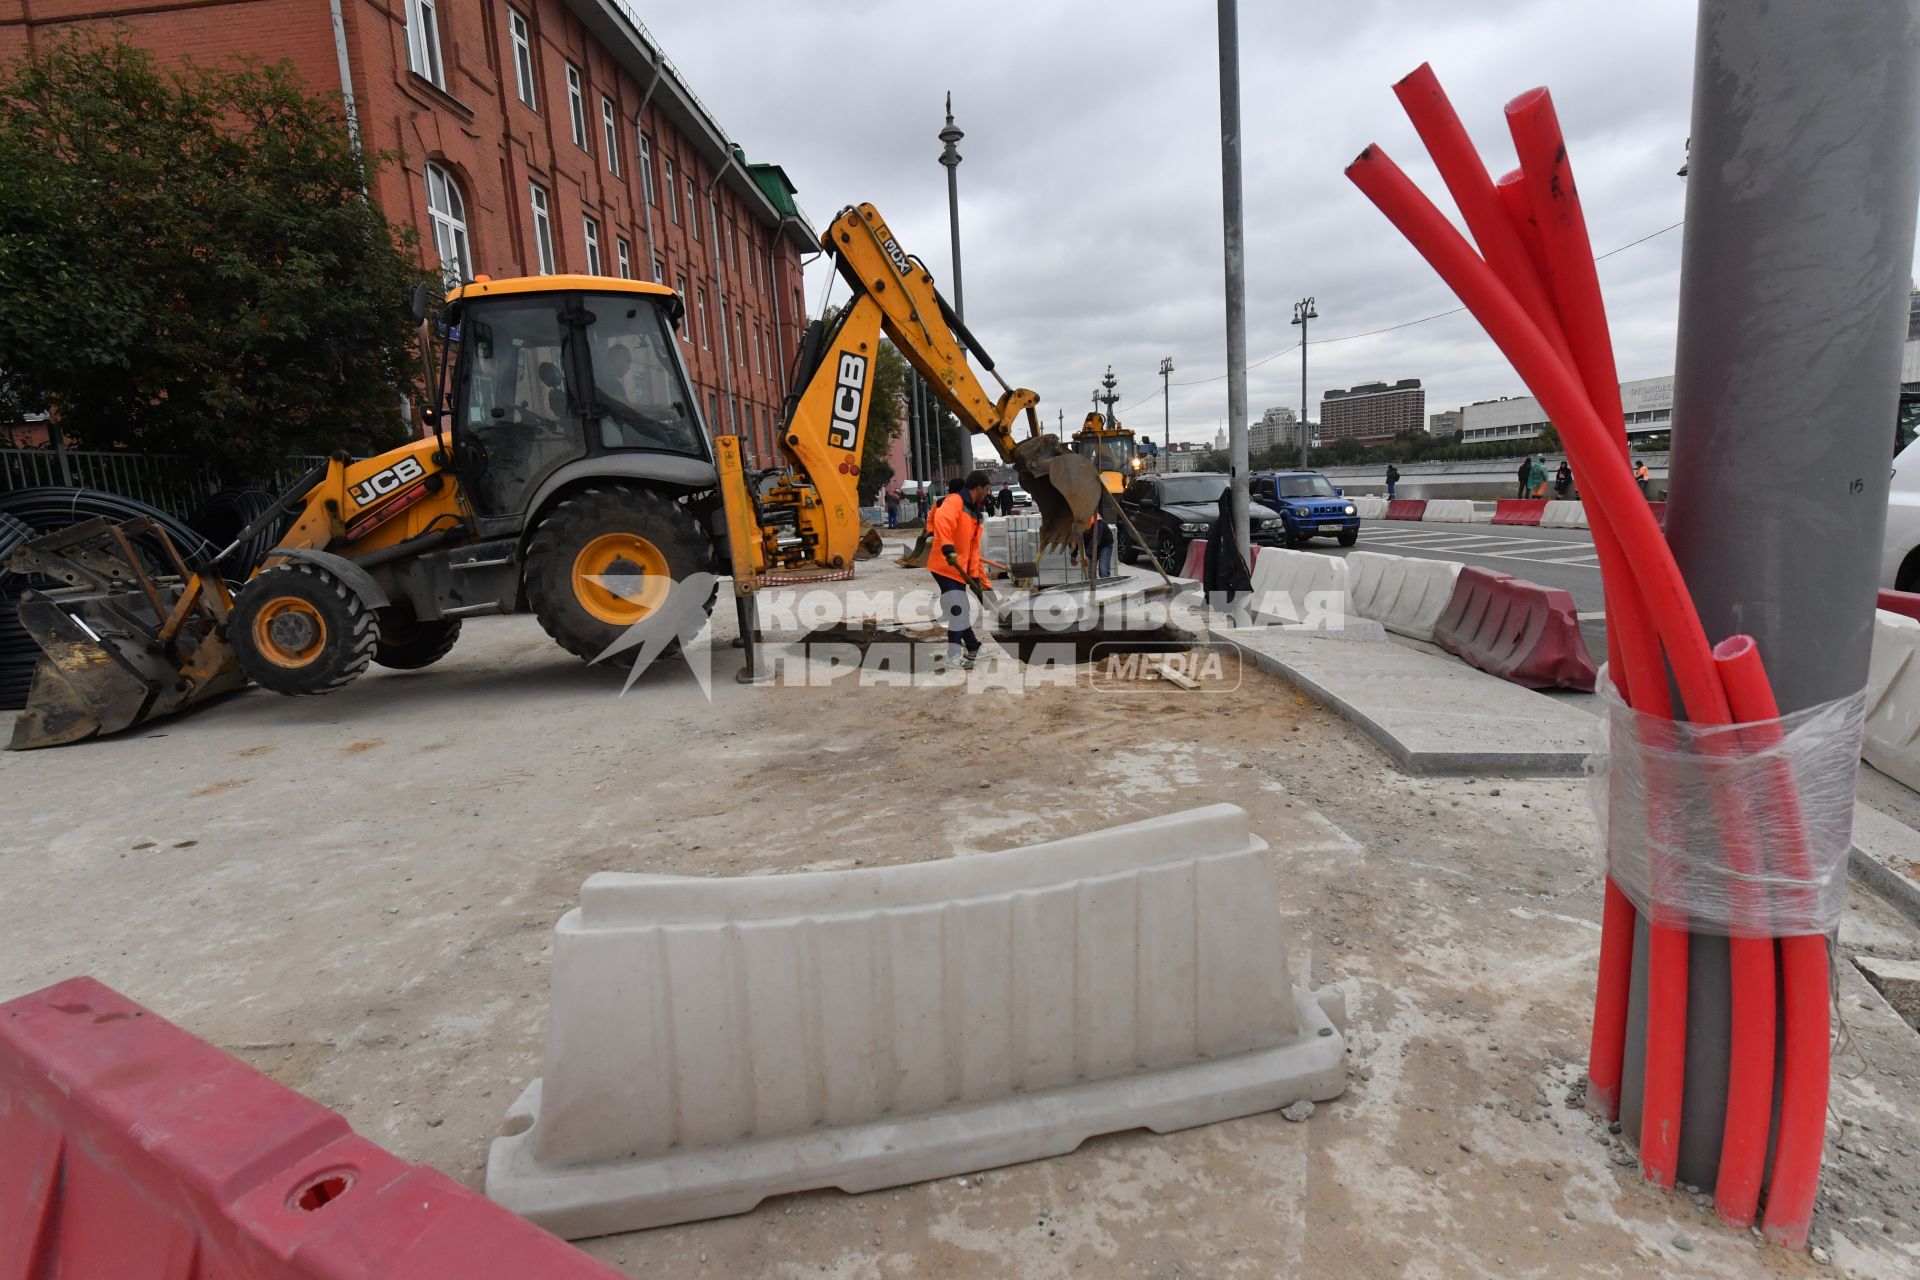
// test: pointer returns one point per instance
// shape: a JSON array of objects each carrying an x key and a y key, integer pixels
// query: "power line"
[{"x": 1405, "y": 324}]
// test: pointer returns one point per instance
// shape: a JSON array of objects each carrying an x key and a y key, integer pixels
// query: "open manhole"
[{"x": 1091, "y": 645}]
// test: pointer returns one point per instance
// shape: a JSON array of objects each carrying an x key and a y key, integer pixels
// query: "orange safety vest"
[{"x": 953, "y": 525}]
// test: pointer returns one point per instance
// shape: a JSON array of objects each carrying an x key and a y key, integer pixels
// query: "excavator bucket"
[
  {"x": 1063, "y": 484},
  {"x": 119, "y": 644}
]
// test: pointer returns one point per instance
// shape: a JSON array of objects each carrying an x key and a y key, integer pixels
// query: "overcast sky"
[{"x": 1090, "y": 188}]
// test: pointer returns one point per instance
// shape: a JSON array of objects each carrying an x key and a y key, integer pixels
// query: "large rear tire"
[
  {"x": 299, "y": 630},
  {"x": 408, "y": 644},
  {"x": 604, "y": 559}
]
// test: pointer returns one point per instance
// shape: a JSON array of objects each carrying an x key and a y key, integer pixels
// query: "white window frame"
[
  {"x": 706, "y": 335},
  {"x": 448, "y": 221},
  {"x": 753, "y": 260},
  {"x": 590, "y": 229},
  {"x": 693, "y": 210},
  {"x": 423, "y": 43},
  {"x": 623, "y": 253},
  {"x": 609, "y": 126},
  {"x": 542, "y": 227},
  {"x": 522, "y": 57},
  {"x": 759, "y": 349},
  {"x": 680, "y": 287},
  {"x": 673, "y": 196},
  {"x": 659, "y": 271},
  {"x": 740, "y": 336},
  {"x": 644, "y": 148},
  {"x": 577, "y": 107}
]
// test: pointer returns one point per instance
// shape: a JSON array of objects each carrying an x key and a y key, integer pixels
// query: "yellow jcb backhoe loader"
[{"x": 568, "y": 473}]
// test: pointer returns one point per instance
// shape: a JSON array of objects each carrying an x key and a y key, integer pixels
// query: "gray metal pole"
[
  {"x": 1803, "y": 179},
  {"x": 1233, "y": 224},
  {"x": 1166, "y": 407},
  {"x": 1303, "y": 392},
  {"x": 950, "y": 157}
]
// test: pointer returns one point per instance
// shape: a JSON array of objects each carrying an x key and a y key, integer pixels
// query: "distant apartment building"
[
  {"x": 1182, "y": 456},
  {"x": 1646, "y": 403},
  {"x": 1373, "y": 411},
  {"x": 1443, "y": 423},
  {"x": 1277, "y": 426},
  {"x": 530, "y": 137}
]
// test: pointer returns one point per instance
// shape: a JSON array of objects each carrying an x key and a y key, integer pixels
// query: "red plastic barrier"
[
  {"x": 1407, "y": 509},
  {"x": 1659, "y": 511},
  {"x": 1196, "y": 564},
  {"x": 1904, "y": 602},
  {"x": 1519, "y": 510},
  {"x": 130, "y": 1148},
  {"x": 1517, "y": 630}
]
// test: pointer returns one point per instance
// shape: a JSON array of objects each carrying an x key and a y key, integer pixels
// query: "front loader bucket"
[
  {"x": 916, "y": 557},
  {"x": 98, "y": 676},
  {"x": 118, "y": 645}
]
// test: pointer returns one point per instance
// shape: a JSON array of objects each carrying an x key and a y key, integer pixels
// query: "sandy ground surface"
[{"x": 355, "y": 894}]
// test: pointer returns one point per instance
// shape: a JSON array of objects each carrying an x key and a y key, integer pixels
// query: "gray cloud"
[{"x": 1090, "y": 190}]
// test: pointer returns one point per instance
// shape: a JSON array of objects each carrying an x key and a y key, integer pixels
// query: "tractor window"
[
  {"x": 518, "y": 422},
  {"x": 642, "y": 400}
]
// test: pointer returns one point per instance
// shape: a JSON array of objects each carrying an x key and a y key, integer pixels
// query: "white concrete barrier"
[
  {"x": 713, "y": 1042},
  {"x": 1892, "y": 742},
  {"x": 1300, "y": 587},
  {"x": 1408, "y": 595},
  {"x": 1451, "y": 511},
  {"x": 1370, "y": 508},
  {"x": 1561, "y": 514}
]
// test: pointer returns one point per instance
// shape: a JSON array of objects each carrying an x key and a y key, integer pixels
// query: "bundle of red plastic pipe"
[{"x": 1533, "y": 287}]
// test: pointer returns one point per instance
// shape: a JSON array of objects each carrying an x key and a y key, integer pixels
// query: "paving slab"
[{"x": 1431, "y": 714}]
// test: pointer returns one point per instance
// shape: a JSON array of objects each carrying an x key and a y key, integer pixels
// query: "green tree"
[
  {"x": 883, "y": 422},
  {"x": 190, "y": 262}
]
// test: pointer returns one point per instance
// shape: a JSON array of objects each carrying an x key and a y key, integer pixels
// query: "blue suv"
[{"x": 1309, "y": 506}]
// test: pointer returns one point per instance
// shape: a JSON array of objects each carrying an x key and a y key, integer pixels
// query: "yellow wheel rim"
[
  {"x": 289, "y": 632},
  {"x": 620, "y": 578}
]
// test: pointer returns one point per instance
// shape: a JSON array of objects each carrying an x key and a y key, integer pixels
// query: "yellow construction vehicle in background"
[
  {"x": 1103, "y": 441},
  {"x": 568, "y": 473}
]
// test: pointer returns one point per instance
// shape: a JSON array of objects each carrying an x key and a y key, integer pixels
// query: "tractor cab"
[
  {"x": 1111, "y": 448},
  {"x": 550, "y": 373}
]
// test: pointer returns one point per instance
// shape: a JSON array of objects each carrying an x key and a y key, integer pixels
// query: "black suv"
[{"x": 1172, "y": 508}]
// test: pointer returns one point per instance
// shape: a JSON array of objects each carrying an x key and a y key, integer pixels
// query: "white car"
[
  {"x": 1023, "y": 501},
  {"x": 1900, "y": 555}
]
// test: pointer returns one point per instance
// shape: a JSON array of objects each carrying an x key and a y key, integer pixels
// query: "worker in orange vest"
[{"x": 954, "y": 535}]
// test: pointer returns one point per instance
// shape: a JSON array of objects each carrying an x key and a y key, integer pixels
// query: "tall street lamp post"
[{"x": 1302, "y": 312}]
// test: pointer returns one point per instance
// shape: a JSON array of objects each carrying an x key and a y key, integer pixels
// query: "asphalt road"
[{"x": 1551, "y": 557}]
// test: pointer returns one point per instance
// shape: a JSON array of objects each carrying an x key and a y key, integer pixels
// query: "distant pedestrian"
[
  {"x": 1006, "y": 499},
  {"x": 1525, "y": 474},
  {"x": 1563, "y": 481},
  {"x": 1642, "y": 475},
  {"x": 1537, "y": 478},
  {"x": 893, "y": 508},
  {"x": 1393, "y": 478},
  {"x": 1225, "y": 578}
]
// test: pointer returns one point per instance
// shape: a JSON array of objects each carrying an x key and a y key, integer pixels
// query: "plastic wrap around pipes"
[{"x": 27, "y": 513}]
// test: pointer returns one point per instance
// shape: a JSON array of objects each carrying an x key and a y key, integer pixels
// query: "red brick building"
[
  {"x": 531, "y": 136},
  {"x": 1373, "y": 411}
]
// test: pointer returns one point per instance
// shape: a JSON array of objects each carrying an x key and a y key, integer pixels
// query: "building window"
[
  {"x": 625, "y": 255},
  {"x": 733, "y": 242},
  {"x": 423, "y": 41},
  {"x": 646, "y": 166},
  {"x": 522, "y": 57},
  {"x": 740, "y": 338},
  {"x": 542, "y": 228},
  {"x": 577, "y": 104},
  {"x": 693, "y": 210},
  {"x": 706, "y": 338},
  {"x": 673, "y": 196},
  {"x": 612, "y": 134},
  {"x": 592, "y": 232},
  {"x": 659, "y": 271},
  {"x": 447, "y": 211},
  {"x": 759, "y": 349},
  {"x": 680, "y": 287},
  {"x": 753, "y": 261}
]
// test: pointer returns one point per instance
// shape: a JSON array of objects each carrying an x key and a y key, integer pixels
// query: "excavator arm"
[{"x": 806, "y": 520}]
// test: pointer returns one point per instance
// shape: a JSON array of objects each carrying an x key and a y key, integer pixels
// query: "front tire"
[
  {"x": 1350, "y": 537},
  {"x": 604, "y": 559},
  {"x": 1169, "y": 551},
  {"x": 408, "y": 644},
  {"x": 299, "y": 630}
]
